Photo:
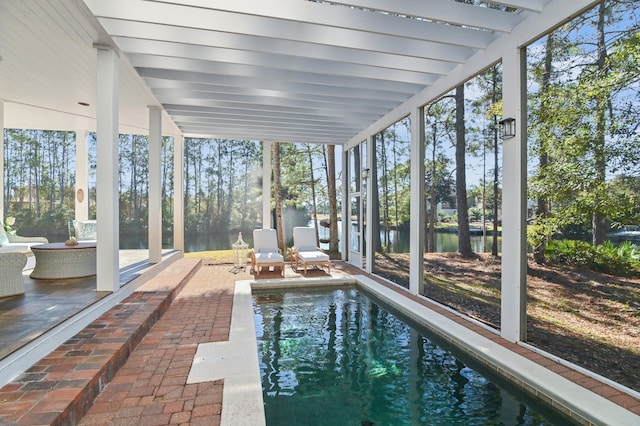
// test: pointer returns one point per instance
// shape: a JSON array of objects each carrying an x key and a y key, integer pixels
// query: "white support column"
[
  {"x": 370, "y": 249},
  {"x": 82, "y": 176},
  {"x": 514, "y": 200},
  {"x": 346, "y": 204},
  {"x": 155, "y": 192},
  {"x": 178, "y": 193},
  {"x": 2, "y": 161},
  {"x": 266, "y": 185},
  {"x": 107, "y": 109},
  {"x": 417, "y": 207}
]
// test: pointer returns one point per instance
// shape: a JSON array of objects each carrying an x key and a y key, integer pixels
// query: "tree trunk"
[
  {"x": 496, "y": 198},
  {"x": 464, "y": 237},
  {"x": 385, "y": 192},
  {"x": 599, "y": 220},
  {"x": 496, "y": 189},
  {"x": 245, "y": 195},
  {"x": 433, "y": 205},
  {"x": 314, "y": 206},
  {"x": 333, "y": 204},
  {"x": 277, "y": 194},
  {"x": 396, "y": 206},
  {"x": 543, "y": 158},
  {"x": 375, "y": 201},
  {"x": 229, "y": 193}
]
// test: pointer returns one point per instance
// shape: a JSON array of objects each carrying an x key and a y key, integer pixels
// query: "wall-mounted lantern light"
[
  {"x": 365, "y": 173},
  {"x": 508, "y": 128}
]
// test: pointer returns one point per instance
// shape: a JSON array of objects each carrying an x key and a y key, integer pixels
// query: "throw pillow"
[{"x": 4, "y": 240}]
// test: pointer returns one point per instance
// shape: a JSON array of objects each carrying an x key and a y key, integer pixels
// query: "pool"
[{"x": 338, "y": 356}]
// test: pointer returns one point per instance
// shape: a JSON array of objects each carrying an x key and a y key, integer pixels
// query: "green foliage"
[
  {"x": 540, "y": 230},
  {"x": 475, "y": 214},
  {"x": 623, "y": 259},
  {"x": 583, "y": 120}
]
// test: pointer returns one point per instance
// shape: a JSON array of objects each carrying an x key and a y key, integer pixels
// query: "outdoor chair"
[
  {"x": 306, "y": 251},
  {"x": 11, "y": 265},
  {"x": 265, "y": 252},
  {"x": 16, "y": 243}
]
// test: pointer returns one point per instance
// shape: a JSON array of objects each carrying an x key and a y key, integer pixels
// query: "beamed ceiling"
[{"x": 282, "y": 70}]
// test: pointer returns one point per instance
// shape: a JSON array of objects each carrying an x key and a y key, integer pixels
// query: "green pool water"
[{"x": 335, "y": 357}]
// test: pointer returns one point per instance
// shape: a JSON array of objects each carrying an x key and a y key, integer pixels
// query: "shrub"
[{"x": 623, "y": 259}]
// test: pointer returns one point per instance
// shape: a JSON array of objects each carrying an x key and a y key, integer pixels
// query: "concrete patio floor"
[
  {"x": 131, "y": 365},
  {"x": 46, "y": 303}
]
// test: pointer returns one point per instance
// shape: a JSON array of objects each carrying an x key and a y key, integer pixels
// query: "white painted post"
[
  {"x": 155, "y": 192},
  {"x": 107, "y": 110},
  {"x": 178, "y": 193},
  {"x": 266, "y": 185},
  {"x": 514, "y": 200},
  {"x": 417, "y": 207},
  {"x": 82, "y": 176}
]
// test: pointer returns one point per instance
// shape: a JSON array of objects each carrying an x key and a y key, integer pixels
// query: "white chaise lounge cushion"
[
  {"x": 313, "y": 256},
  {"x": 262, "y": 258}
]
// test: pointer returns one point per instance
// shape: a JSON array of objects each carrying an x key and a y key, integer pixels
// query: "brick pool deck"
[{"x": 131, "y": 365}]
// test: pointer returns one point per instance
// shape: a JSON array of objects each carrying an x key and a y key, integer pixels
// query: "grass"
[{"x": 214, "y": 257}]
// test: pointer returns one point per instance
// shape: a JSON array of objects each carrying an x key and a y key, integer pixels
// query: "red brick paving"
[
  {"x": 151, "y": 388},
  {"x": 60, "y": 387}
]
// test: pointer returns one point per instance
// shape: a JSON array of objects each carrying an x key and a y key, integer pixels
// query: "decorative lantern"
[
  {"x": 240, "y": 249},
  {"x": 508, "y": 128}
]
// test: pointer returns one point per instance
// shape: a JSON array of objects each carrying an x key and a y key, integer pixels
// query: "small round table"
[{"x": 58, "y": 261}]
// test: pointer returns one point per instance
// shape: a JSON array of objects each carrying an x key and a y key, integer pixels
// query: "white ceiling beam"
[
  {"x": 259, "y": 120},
  {"x": 306, "y": 12},
  {"x": 260, "y": 136},
  {"x": 318, "y": 86},
  {"x": 214, "y": 107},
  {"x": 145, "y": 53},
  {"x": 343, "y": 103},
  {"x": 252, "y": 43},
  {"x": 288, "y": 130},
  {"x": 445, "y": 11},
  {"x": 169, "y": 14},
  {"x": 531, "y": 5},
  {"x": 296, "y": 91},
  {"x": 357, "y": 113}
]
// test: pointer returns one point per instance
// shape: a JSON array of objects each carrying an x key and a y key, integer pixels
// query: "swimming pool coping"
[{"x": 243, "y": 403}]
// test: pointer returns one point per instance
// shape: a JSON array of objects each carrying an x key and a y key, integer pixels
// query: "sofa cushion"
[
  {"x": 85, "y": 230},
  {"x": 15, "y": 248},
  {"x": 3, "y": 237}
]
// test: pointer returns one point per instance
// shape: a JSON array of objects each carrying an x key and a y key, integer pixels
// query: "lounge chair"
[
  {"x": 306, "y": 251},
  {"x": 265, "y": 252}
]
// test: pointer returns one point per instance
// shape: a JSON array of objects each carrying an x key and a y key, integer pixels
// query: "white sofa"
[
  {"x": 15, "y": 243},
  {"x": 11, "y": 265}
]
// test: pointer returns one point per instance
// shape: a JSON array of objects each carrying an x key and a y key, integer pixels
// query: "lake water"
[{"x": 445, "y": 242}]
